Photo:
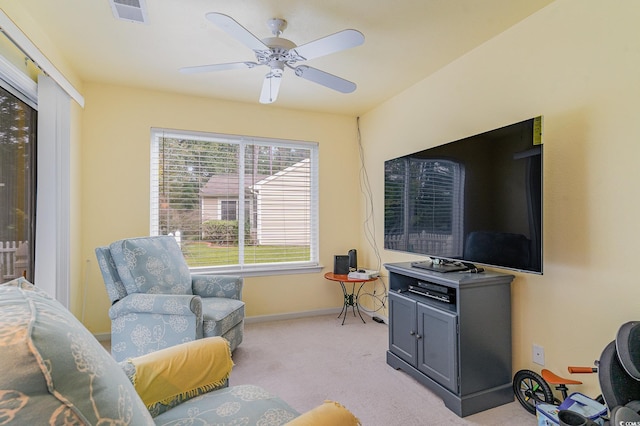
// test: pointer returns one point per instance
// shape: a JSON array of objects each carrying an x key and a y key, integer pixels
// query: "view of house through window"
[
  {"x": 235, "y": 202},
  {"x": 17, "y": 187}
]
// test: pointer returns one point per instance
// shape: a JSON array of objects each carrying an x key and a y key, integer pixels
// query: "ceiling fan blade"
[
  {"x": 324, "y": 78},
  {"x": 270, "y": 88},
  {"x": 342, "y": 40},
  {"x": 237, "y": 31},
  {"x": 217, "y": 67}
]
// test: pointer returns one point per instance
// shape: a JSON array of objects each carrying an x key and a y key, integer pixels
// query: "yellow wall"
[
  {"x": 577, "y": 62},
  {"x": 115, "y": 197},
  {"x": 16, "y": 13}
]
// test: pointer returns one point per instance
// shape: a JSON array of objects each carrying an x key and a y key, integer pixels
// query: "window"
[
  {"x": 228, "y": 210},
  {"x": 17, "y": 187},
  {"x": 236, "y": 203}
]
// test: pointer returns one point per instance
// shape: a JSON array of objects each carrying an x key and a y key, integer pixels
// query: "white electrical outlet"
[{"x": 538, "y": 354}]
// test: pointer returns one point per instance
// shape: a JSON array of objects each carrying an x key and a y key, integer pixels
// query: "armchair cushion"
[
  {"x": 151, "y": 265},
  {"x": 221, "y": 315},
  {"x": 182, "y": 371},
  {"x": 142, "y": 323},
  {"x": 236, "y": 405},
  {"x": 54, "y": 371}
]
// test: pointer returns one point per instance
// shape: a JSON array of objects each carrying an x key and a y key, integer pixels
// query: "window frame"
[{"x": 312, "y": 265}]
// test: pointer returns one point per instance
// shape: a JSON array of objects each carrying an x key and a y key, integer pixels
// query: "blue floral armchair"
[{"x": 157, "y": 302}]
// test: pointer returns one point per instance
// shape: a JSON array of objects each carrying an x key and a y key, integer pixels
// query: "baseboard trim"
[
  {"x": 305, "y": 314},
  {"x": 291, "y": 315}
]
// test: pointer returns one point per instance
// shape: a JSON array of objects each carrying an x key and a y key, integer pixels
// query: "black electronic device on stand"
[
  {"x": 441, "y": 265},
  {"x": 341, "y": 264},
  {"x": 353, "y": 260}
]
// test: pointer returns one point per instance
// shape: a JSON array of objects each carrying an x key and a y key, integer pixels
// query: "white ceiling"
[{"x": 405, "y": 41}]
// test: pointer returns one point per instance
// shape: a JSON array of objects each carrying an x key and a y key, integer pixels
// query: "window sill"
[{"x": 259, "y": 270}]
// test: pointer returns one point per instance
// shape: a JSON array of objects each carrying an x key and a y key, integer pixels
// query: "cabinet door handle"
[
  {"x": 418, "y": 336},
  {"x": 412, "y": 333}
]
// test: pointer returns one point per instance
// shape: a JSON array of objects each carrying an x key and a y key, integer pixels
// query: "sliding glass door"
[{"x": 17, "y": 187}]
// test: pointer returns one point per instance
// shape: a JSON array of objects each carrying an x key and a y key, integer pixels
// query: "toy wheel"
[{"x": 531, "y": 389}]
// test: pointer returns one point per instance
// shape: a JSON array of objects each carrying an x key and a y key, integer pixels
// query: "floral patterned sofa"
[
  {"x": 55, "y": 372},
  {"x": 157, "y": 303}
]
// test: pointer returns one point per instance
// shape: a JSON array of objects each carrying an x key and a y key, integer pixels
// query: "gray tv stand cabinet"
[{"x": 459, "y": 350}]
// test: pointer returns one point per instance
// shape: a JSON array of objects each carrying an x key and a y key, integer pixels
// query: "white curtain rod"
[{"x": 28, "y": 48}]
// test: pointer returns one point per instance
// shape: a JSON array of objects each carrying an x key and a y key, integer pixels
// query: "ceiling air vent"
[{"x": 130, "y": 10}]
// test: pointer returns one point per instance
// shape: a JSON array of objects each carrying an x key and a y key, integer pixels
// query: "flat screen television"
[{"x": 477, "y": 200}]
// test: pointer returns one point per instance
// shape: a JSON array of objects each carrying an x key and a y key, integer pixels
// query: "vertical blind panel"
[{"x": 235, "y": 202}]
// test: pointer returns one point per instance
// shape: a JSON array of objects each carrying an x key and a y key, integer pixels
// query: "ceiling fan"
[{"x": 277, "y": 53}]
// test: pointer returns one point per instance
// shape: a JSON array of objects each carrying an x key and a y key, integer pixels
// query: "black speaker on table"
[
  {"x": 341, "y": 264},
  {"x": 353, "y": 260}
]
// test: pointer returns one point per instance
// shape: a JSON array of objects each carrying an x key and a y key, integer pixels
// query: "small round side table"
[{"x": 350, "y": 298}]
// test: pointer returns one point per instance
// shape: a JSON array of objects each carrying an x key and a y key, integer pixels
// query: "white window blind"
[{"x": 236, "y": 203}]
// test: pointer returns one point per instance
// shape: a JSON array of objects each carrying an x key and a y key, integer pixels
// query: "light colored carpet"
[{"x": 308, "y": 360}]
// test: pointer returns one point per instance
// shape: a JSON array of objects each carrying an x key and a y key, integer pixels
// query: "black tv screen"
[{"x": 477, "y": 200}]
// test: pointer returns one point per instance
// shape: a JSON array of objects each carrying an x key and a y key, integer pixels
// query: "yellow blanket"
[{"x": 184, "y": 370}]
